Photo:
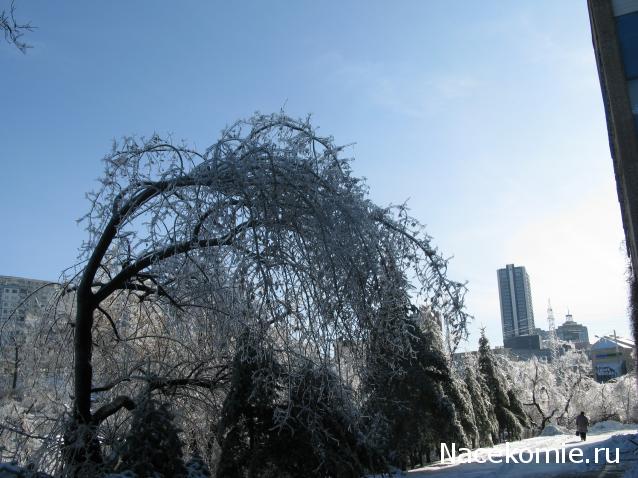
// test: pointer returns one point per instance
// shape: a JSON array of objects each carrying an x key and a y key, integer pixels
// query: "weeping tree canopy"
[{"x": 265, "y": 231}]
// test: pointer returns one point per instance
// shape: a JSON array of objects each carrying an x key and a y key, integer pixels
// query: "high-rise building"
[
  {"x": 517, "y": 316},
  {"x": 614, "y": 26}
]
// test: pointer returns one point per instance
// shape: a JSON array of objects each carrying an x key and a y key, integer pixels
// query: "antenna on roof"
[{"x": 551, "y": 323}]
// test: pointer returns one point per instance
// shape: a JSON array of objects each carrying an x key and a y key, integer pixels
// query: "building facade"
[
  {"x": 21, "y": 301},
  {"x": 572, "y": 331},
  {"x": 612, "y": 357},
  {"x": 18, "y": 296},
  {"x": 614, "y": 27},
  {"x": 515, "y": 297}
]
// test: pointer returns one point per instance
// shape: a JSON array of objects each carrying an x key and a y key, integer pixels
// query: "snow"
[
  {"x": 610, "y": 426},
  {"x": 609, "y": 437},
  {"x": 553, "y": 430},
  {"x": 9, "y": 471},
  {"x": 632, "y": 472}
]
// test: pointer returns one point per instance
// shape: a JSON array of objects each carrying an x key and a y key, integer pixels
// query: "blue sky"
[{"x": 487, "y": 117}]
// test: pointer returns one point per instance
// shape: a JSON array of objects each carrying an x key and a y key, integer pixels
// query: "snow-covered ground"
[{"x": 610, "y": 438}]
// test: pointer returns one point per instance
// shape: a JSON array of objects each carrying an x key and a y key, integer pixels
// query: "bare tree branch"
[
  {"x": 111, "y": 408},
  {"x": 14, "y": 31}
]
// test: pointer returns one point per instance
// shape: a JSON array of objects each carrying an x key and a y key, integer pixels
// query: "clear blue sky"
[{"x": 486, "y": 116}]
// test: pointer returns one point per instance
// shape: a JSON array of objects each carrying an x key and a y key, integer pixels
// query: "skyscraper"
[{"x": 515, "y": 294}]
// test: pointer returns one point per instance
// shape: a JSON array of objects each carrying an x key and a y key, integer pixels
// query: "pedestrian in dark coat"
[{"x": 582, "y": 422}]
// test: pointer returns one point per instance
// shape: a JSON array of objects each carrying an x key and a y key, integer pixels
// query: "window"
[{"x": 627, "y": 28}]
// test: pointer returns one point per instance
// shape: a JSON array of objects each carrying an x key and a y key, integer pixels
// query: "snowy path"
[{"x": 605, "y": 441}]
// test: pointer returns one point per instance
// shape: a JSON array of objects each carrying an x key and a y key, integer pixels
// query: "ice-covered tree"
[
  {"x": 267, "y": 229},
  {"x": 626, "y": 394},
  {"x": 509, "y": 413},
  {"x": 409, "y": 389},
  {"x": 541, "y": 387},
  {"x": 313, "y": 430},
  {"x": 436, "y": 358},
  {"x": 485, "y": 418},
  {"x": 245, "y": 429},
  {"x": 152, "y": 447},
  {"x": 551, "y": 391},
  {"x": 517, "y": 409},
  {"x": 320, "y": 422}
]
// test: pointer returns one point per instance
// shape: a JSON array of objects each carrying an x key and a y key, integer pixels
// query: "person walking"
[{"x": 582, "y": 422}]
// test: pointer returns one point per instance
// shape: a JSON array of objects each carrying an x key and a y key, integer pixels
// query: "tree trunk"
[
  {"x": 83, "y": 346},
  {"x": 16, "y": 365},
  {"x": 81, "y": 446}
]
